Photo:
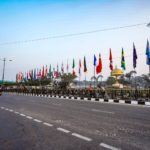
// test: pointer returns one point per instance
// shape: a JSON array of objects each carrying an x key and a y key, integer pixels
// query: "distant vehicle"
[{"x": 0, "y": 91}]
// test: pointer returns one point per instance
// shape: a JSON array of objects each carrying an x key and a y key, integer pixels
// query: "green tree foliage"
[{"x": 66, "y": 79}]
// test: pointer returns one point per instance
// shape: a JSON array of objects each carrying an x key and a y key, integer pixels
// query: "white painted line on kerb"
[
  {"x": 102, "y": 111},
  {"x": 36, "y": 120},
  {"x": 28, "y": 117},
  {"x": 63, "y": 130},
  {"x": 109, "y": 146},
  {"x": 82, "y": 137},
  {"x": 22, "y": 115},
  {"x": 47, "y": 124}
]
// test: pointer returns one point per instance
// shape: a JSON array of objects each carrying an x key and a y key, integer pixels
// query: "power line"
[{"x": 71, "y": 34}]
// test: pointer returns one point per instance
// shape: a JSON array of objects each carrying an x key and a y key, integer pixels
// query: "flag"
[
  {"x": 62, "y": 68},
  {"x": 147, "y": 53},
  {"x": 73, "y": 67},
  {"x": 57, "y": 68},
  {"x": 99, "y": 66},
  {"x": 79, "y": 67},
  {"x": 123, "y": 65},
  {"x": 94, "y": 63},
  {"x": 134, "y": 56},
  {"x": 67, "y": 68},
  {"x": 31, "y": 74},
  {"x": 85, "y": 68},
  {"x": 34, "y": 74},
  {"x": 111, "y": 62},
  {"x": 50, "y": 72},
  {"x": 42, "y": 76},
  {"x": 46, "y": 72}
]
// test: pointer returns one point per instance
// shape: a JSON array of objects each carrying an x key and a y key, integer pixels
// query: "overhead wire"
[{"x": 70, "y": 34}]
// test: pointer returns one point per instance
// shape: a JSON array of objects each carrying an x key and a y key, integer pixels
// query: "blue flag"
[
  {"x": 94, "y": 63},
  {"x": 134, "y": 56},
  {"x": 147, "y": 53},
  {"x": 34, "y": 74}
]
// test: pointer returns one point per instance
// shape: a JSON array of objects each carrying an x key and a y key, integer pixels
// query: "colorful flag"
[
  {"x": 34, "y": 74},
  {"x": 46, "y": 72},
  {"x": 62, "y": 68},
  {"x": 50, "y": 72},
  {"x": 31, "y": 74},
  {"x": 73, "y": 67},
  {"x": 42, "y": 76},
  {"x": 84, "y": 63},
  {"x": 57, "y": 68},
  {"x": 39, "y": 75},
  {"x": 147, "y": 53},
  {"x": 94, "y": 63},
  {"x": 99, "y": 66},
  {"x": 79, "y": 67},
  {"x": 67, "y": 68},
  {"x": 123, "y": 65},
  {"x": 134, "y": 56},
  {"x": 111, "y": 62}
]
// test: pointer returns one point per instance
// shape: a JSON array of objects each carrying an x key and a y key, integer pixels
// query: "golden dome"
[{"x": 116, "y": 72}]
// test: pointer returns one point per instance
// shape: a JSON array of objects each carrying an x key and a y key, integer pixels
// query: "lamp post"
[{"x": 3, "y": 75}]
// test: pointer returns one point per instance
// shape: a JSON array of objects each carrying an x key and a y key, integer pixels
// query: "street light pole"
[{"x": 3, "y": 76}]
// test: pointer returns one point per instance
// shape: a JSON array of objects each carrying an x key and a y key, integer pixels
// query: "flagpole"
[
  {"x": 85, "y": 80},
  {"x": 94, "y": 77}
]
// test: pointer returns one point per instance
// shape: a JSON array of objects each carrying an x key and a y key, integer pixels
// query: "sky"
[{"x": 22, "y": 20}]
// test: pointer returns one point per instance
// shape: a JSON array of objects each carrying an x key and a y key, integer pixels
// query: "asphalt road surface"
[{"x": 35, "y": 123}]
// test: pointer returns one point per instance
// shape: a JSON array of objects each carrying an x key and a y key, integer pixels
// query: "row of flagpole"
[{"x": 39, "y": 74}]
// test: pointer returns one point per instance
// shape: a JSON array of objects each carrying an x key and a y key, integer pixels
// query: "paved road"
[{"x": 55, "y": 124}]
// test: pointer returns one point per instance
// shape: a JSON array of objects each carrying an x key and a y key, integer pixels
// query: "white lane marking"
[
  {"x": 16, "y": 112},
  {"x": 63, "y": 130},
  {"x": 10, "y": 110},
  {"x": 22, "y": 115},
  {"x": 6, "y": 109},
  {"x": 101, "y": 111},
  {"x": 36, "y": 120},
  {"x": 2, "y": 107},
  {"x": 82, "y": 137},
  {"x": 109, "y": 146},
  {"x": 28, "y": 117},
  {"x": 47, "y": 124},
  {"x": 56, "y": 104}
]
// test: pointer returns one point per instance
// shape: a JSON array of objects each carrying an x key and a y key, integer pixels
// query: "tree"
[
  {"x": 110, "y": 80},
  {"x": 66, "y": 79}
]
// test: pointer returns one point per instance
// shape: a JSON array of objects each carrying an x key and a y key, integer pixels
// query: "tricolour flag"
[
  {"x": 99, "y": 66},
  {"x": 110, "y": 59},
  {"x": 134, "y": 57},
  {"x": 123, "y": 65},
  {"x": 73, "y": 67}
]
